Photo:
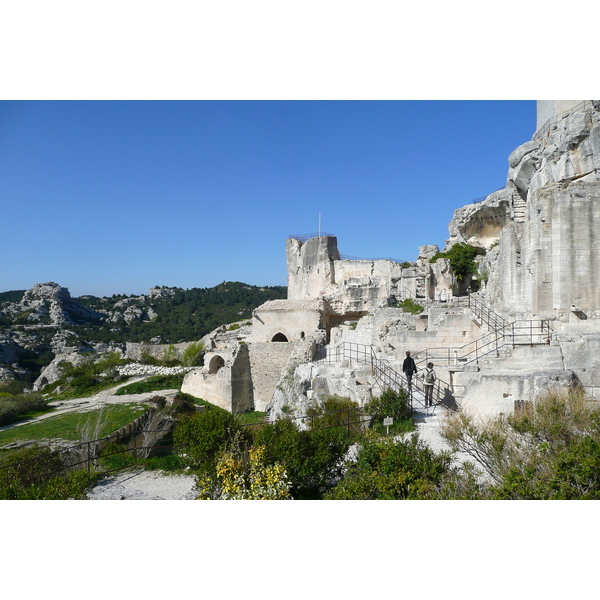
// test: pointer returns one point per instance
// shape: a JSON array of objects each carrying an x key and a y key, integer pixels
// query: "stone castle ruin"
[{"x": 528, "y": 319}]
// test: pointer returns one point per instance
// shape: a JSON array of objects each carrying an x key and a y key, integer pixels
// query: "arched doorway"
[
  {"x": 216, "y": 362},
  {"x": 279, "y": 337}
]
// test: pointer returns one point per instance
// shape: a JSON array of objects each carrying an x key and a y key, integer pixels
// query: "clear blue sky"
[{"x": 109, "y": 197}]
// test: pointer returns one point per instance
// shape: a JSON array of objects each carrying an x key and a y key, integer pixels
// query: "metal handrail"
[
  {"x": 389, "y": 377},
  {"x": 545, "y": 128},
  {"x": 394, "y": 260}
]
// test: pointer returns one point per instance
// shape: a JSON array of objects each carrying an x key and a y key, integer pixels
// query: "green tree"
[{"x": 462, "y": 260}]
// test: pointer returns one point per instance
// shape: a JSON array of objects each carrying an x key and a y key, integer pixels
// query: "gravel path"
[{"x": 145, "y": 485}]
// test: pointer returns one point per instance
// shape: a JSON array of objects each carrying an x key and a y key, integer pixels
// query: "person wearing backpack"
[{"x": 429, "y": 382}]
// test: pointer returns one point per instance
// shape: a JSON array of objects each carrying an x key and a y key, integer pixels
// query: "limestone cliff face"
[
  {"x": 549, "y": 261},
  {"x": 480, "y": 224},
  {"x": 543, "y": 254}
]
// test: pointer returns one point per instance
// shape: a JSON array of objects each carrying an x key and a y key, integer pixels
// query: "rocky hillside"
[{"x": 38, "y": 324}]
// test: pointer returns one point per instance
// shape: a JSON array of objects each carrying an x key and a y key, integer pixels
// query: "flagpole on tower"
[{"x": 319, "y": 224}]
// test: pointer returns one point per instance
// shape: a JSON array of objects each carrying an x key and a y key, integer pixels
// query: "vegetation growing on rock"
[{"x": 461, "y": 257}]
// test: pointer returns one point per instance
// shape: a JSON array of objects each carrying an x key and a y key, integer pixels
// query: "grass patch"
[
  {"x": 119, "y": 456},
  {"x": 81, "y": 392},
  {"x": 251, "y": 418},
  {"x": 399, "y": 426},
  {"x": 152, "y": 384},
  {"x": 66, "y": 426},
  {"x": 410, "y": 306}
]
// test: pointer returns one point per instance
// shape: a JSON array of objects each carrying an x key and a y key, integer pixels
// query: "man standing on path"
[{"x": 409, "y": 368}]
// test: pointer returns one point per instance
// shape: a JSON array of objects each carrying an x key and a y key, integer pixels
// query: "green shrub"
[
  {"x": 14, "y": 408},
  {"x": 392, "y": 469},
  {"x": 198, "y": 438},
  {"x": 461, "y": 258},
  {"x": 335, "y": 412},
  {"x": 147, "y": 359},
  {"x": 90, "y": 377},
  {"x": 186, "y": 403},
  {"x": 311, "y": 458},
  {"x": 193, "y": 355},
  {"x": 551, "y": 452},
  {"x": 170, "y": 358},
  {"x": 34, "y": 477},
  {"x": 410, "y": 306},
  {"x": 389, "y": 404}
]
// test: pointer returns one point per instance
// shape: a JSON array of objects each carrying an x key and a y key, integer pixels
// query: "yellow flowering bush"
[{"x": 240, "y": 479}]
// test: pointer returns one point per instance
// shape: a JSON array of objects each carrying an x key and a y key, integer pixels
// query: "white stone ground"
[{"x": 145, "y": 485}]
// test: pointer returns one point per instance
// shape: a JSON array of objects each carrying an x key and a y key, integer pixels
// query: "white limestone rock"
[
  {"x": 480, "y": 224},
  {"x": 51, "y": 304}
]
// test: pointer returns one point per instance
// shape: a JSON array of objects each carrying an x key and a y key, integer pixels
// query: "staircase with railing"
[
  {"x": 389, "y": 378},
  {"x": 502, "y": 337}
]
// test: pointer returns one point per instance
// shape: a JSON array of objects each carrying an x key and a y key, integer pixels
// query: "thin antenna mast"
[{"x": 319, "y": 224}]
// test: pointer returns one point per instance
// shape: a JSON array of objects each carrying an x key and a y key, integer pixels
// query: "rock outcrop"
[
  {"x": 549, "y": 259},
  {"x": 50, "y": 304}
]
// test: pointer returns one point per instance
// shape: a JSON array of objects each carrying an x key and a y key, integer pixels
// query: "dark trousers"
[
  {"x": 428, "y": 394},
  {"x": 408, "y": 375}
]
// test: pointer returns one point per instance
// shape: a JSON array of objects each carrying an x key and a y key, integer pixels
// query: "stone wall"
[
  {"x": 547, "y": 109},
  {"x": 316, "y": 271},
  {"x": 390, "y": 330},
  {"x": 552, "y": 262},
  {"x": 489, "y": 394},
  {"x": 310, "y": 266},
  {"x": 361, "y": 285},
  {"x": 292, "y": 318},
  {"x": 135, "y": 350},
  {"x": 266, "y": 362},
  {"x": 228, "y": 384}
]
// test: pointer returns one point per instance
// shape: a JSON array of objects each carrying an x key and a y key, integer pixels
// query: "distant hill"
[
  {"x": 174, "y": 314},
  {"x": 37, "y": 324}
]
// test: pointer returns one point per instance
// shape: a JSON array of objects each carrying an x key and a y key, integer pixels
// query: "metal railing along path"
[{"x": 389, "y": 378}]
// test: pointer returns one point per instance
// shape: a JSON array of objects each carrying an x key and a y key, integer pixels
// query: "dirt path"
[{"x": 145, "y": 485}]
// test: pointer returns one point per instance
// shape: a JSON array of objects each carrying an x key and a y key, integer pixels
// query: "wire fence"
[
  {"x": 95, "y": 455},
  {"x": 304, "y": 237}
]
